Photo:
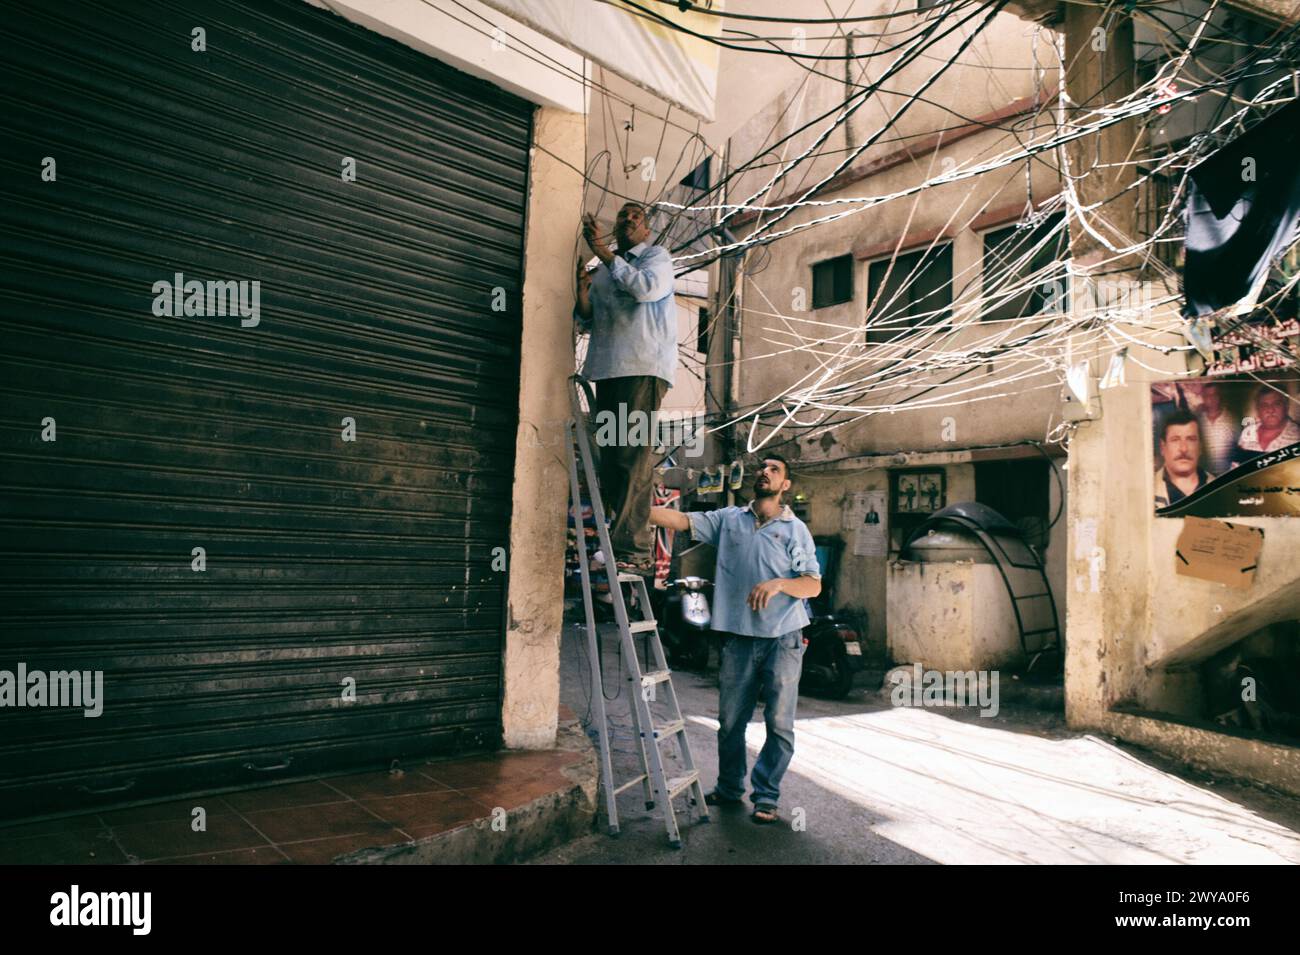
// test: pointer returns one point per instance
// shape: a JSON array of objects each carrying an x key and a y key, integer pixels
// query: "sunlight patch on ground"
[{"x": 970, "y": 792}]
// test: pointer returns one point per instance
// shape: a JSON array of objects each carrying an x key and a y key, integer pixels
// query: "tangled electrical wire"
[
  {"x": 902, "y": 356},
  {"x": 925, "y": 357}
]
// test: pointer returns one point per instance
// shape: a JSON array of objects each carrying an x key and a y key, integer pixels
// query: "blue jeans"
[{"x": 750, "y": 665}]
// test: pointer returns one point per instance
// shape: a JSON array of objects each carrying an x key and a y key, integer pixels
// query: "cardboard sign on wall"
[{"x": 1219, "y": 551}]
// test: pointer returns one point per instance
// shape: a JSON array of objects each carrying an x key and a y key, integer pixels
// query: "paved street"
[{"x": 891, "y": 785}]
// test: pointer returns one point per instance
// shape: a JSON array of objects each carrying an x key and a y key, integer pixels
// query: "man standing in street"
[
  {"x": 767, "y": 567},
  {"x": 627, "y": 304}
]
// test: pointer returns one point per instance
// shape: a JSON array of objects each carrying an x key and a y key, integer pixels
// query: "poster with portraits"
[{"x": 1227, "y": 447}]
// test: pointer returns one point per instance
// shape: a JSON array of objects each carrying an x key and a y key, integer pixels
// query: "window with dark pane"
[
  {"x": 916, "y": 291},
  {"x": 1020, "y": 490},
  {"x": 832, "y": 281},
  {"x": 1012, "y": 256}
]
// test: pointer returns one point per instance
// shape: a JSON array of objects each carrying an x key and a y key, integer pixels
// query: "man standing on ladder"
[
  {"x": 627, "y": 304},
  {"x": 767, "y": 566}
]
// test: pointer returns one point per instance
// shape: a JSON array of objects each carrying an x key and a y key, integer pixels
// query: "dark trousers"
[{"x": 627, "y": 470}]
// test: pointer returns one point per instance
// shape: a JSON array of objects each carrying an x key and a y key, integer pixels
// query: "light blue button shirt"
[
  {"x": 634, "y": 317},
  {"x": 749, "y": 554}
]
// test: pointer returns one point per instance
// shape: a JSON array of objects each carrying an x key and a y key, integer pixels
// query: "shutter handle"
[
  {"x": 269, "y": 769},
  {"x": 103, "y": 790}
]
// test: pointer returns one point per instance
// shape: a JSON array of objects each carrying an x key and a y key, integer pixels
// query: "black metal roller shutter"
[{"x": 327, "y": 560}]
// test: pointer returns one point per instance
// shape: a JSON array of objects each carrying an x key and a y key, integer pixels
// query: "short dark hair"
[
  {"x": 1181, "y": 416},
  {"x": 1264, "y": 391},
  {"x": 784, "y": 463}
]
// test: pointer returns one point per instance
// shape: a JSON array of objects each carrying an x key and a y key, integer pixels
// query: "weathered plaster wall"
[
  {"x": 951, "y": 616},
  {"x": 1136, "y": 628},
  {"x": 536, "y": 553},
  {"x": 1110, "y": 514},
  {"x": 1215, "y": 615},
  {"x": 860, "y": 583},
  {"x": 832, "y": 466},
  {"x": 1133, "y": 617}
]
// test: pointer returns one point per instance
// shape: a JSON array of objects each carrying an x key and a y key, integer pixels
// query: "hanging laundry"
[{"x": 1243, "y": 204}]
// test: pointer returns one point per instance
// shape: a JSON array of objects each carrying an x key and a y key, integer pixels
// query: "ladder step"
[
  {"x": 679, "y": 784},
  {"x": 629, "y": 578},
  {"x": 629, "y": 784},
  {"x": 642, "y": 626},
  {"x": 651, "y": 677},
  {"x": 1032, "y": 596},
  {"x": 669, "y": 730}
]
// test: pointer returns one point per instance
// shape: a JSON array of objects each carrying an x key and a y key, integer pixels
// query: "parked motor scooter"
[
  {"x": 832, "y": 655},
  {"x": 833, "y": 649},
  {"x": 682, "y": 609}
]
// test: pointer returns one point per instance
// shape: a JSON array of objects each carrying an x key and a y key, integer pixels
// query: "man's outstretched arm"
[{"x": 669, "y": 518}]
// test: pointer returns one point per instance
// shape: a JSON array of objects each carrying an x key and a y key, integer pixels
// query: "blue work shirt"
[
  {"x": 633, "y": 317},
  {"x": 750, "y": 553}
]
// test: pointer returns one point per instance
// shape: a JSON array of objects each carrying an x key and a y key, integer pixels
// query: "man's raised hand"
[{"x": 597, "y": 244}]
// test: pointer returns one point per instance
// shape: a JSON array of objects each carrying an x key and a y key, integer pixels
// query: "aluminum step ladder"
[{"x": 643, "y": 685}]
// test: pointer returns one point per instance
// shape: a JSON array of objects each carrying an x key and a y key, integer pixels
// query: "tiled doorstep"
[{"x": 311, "y": 822}]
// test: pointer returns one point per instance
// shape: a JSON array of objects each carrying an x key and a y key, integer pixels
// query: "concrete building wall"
[
  {"x": 782, "y": 344},
  {"x": 861, "y": 581},
  {"x": 1136, "y": 628},
  {"x": 686, "y": 396},
  {"x": 540, "y": 498},
  {"x": 772, "y": 329},
  {"x": 993, "y": 72}
]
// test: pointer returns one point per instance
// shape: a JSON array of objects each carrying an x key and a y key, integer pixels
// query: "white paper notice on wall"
[
  {"x": 865, "y": 523},
  {"x": 1085, "y": 538}
]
